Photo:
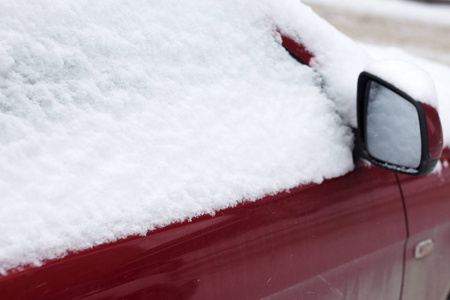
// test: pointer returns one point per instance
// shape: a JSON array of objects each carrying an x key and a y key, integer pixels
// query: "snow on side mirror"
[{"x": 398, "y": 123}]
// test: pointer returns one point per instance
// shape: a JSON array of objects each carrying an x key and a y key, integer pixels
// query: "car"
[{"x": 301, "y": 169}]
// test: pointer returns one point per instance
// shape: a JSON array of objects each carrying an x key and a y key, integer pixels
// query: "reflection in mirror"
[{"x": 392, "y": 129}]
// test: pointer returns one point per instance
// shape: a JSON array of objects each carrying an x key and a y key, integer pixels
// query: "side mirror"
[{"x": 396, "y": 131}]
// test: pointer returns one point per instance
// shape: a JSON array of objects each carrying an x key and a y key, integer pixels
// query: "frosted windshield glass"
[{"x": 393, "y": 131}]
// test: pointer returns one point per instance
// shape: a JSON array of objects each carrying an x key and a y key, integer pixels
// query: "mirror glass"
[{"x": 392, "y": 127}]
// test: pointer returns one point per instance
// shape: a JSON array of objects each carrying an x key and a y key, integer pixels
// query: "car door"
[
  {"x": 351, "y": 245},
  {"x": 342, "y": 239},
  {"x": 427, "y": 202}
]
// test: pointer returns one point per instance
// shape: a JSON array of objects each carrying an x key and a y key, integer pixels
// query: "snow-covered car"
[{"x": 205, "y": 150}]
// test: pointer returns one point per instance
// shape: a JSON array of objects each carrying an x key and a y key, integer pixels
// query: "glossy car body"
[
  {"x": 352, "y": 237},
  {"x": 345, "y": 238}
]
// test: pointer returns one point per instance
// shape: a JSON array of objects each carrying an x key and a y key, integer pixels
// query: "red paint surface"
[
  {"x": 342, "y": 237},
  {"x": 297, "y": 48},
  {"x": 434, "y": 128},
  {"x": 427, "y": 202}
]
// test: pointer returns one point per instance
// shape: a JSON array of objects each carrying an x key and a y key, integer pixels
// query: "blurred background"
[{"x": 421, "y": 28}]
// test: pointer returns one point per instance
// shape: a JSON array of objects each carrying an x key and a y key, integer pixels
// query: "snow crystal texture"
[{"x": 117, "y": 118}]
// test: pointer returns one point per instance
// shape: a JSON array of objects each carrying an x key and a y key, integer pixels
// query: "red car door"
[
  {"x": 427, "y": 202},
  {"x": 343, "y": 238}
]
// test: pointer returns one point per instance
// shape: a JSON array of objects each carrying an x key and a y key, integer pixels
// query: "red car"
[{"x": 381, "y": 231}]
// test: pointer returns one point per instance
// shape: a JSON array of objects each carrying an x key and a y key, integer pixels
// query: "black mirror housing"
[{"x": 396, "y": 131}]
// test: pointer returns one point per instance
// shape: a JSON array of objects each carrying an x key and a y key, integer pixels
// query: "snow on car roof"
[{"x": 117, "y": 118}]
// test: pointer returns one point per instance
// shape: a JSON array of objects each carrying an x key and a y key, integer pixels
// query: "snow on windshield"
[{"x": 117, "y": 118}]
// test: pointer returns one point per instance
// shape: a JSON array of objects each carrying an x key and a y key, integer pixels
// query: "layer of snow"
[
  {"x": 407, "y": 77},
  {"x": 337, "y": 58},
  {"x": 440, "y": 75},
  {"x": 117, "y": 117},
  {"x": 435, "y": 13}
]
